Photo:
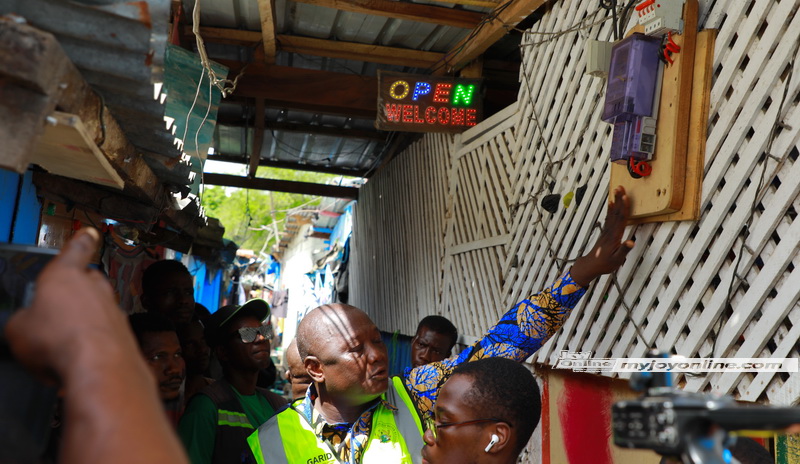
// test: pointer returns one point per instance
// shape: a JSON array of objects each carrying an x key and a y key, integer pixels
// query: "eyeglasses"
[
  {"x": 249, "y": 334},
  {"x": 434, "y": 427}
]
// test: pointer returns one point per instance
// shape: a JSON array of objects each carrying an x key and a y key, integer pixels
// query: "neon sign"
[{"x": 407, "y": 102}]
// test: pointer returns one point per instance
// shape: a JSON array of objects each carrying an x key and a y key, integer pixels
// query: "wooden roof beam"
[
  {"x": 308, "y": 129},
  {"x": 308, "y": 89},
  {"x": 276, "y": 185},
  {"x": 266, "y": 13},
  {"x": 405, "y": 10},
  {"x": 486, "y": 34},
  {"x": 293, "y": 165},
  {"x": 328, "y": 48},
  {"x": 359, "y": 52}
]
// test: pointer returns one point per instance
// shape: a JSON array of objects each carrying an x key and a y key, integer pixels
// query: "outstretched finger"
[
  {"x": 78, "y": 251},
  {"x": 622, "y": 251},
  {"x": 618, "y": 212}
]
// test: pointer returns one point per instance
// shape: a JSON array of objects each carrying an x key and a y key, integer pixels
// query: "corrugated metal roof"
[
  {"x": 306, "y": 20},
  {"x": 119, "y": 48}
]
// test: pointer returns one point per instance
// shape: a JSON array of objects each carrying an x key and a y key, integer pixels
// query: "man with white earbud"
[{"x": 486, "y": 412}]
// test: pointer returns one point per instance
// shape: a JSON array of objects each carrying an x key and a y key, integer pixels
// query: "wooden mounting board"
[
  {"x": 698, "y": 131},
  {"x": 662, "y": 192},
  {"x": 66, "y": 149}
]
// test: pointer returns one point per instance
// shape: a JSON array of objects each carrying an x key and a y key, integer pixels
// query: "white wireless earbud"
[{"x": 495, "y": 439}]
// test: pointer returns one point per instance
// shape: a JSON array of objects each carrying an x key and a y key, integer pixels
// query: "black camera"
[{"x": 691, "y": 426}]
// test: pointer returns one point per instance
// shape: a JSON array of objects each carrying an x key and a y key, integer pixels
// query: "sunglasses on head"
[{"x": 250, "y": 334}]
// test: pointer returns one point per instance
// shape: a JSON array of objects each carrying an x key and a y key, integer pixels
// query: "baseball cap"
[{"x": 215, "y": 323}]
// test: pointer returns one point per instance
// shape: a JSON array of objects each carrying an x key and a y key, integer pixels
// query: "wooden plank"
[
  {"x": 486, "y": 34},
  {"x": 22, "y": 115},
  {"x": 73, "y": 95},
  {"x": 483, "y": 3},
  {"x": 308, "y": 89},
  {"x": 499, "y": 240},
  {"x": 698, "y": 132},
  {"x": 266, "y": 10},
  {"x": 66, "y": 149},
  {"x": 277, "y": 185},
  {"x": 369, "y": 53},
  {"x": 316, "y": 129},
  {"x": 403, "y": 10},
  {"x": 291, "y": 165}
]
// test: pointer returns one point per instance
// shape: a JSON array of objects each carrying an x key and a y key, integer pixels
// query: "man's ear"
[
  {"x": 314, "y": 368},
  {"x": 505, "y": 438}
]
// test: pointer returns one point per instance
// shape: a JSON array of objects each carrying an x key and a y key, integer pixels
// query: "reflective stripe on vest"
[
  {"x": 233, "y": 419},
  {"x": 394, "y": 437}
]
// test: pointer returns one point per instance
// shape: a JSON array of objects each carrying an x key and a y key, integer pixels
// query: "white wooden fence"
[{"x": 453, "y": 226}]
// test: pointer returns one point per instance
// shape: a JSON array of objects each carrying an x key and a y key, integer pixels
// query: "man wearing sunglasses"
[
  {"x": 355, "y": 413},
  {"x": 219, "y": 418}
]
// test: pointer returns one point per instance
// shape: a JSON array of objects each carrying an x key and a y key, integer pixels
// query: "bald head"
[
  {"x": 297, "y": 374},
  {"x": 324, "y": 322},
  {"x": 343, "y": 352},
  {"x": 293, "y": 359}
]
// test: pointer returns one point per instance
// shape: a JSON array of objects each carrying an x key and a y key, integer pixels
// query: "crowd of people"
[{"x": 120, "y": 374}]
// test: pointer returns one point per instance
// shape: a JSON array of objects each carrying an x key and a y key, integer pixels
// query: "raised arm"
[
  {"x": 522, "y": 330},
  {"x": 75, "y": 335}
]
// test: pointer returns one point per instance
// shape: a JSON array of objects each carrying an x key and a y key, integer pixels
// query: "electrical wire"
[
  {"x": 611, "y": 5},
  {"x": 625, "y": 16},
  {"x": 488, "y": 18},
  {"x": 225, "y": 86}
]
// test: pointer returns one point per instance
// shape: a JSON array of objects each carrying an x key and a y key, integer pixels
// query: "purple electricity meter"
[{"x": 632, "y": 77}]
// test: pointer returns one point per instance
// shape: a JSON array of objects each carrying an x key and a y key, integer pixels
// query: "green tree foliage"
[{"x": 248, "y": 215}]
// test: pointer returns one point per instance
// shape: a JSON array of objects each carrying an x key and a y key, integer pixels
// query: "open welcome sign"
[{"x": 407, "y": 102}]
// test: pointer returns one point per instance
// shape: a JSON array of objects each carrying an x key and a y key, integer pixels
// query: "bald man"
[
  {"x": 354, "y": 412},
  {"x": 296, "y": 373}
]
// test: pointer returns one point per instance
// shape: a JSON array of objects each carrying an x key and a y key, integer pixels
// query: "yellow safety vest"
[{"x": 395, "y": 436}]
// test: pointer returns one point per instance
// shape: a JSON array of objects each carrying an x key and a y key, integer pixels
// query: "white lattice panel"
[{"x": 480, "y": 241}]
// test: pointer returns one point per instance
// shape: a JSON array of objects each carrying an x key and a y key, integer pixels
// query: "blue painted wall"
[
  {"x": 20, "y": 209},
  {"x": 29, "y": 211},
  {"x": 9, "y": 184}
]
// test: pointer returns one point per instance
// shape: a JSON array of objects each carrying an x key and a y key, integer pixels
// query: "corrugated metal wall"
[
  {"x": 398, "y": 237},
  {"x": 456, "y": 228}
]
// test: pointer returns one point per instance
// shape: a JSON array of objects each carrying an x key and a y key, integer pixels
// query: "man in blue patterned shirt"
[{"x": 355, "y": 413}]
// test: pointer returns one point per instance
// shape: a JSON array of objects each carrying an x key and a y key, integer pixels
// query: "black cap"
[{"x": 214, "y": 324}]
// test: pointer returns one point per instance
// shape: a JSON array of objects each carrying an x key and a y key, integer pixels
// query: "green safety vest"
[{"x": 395, "y": 436}]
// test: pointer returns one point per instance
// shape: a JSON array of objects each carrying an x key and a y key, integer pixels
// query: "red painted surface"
[
  {"x": 545, "y": 421},
  {"x": 584, "y": 409}
]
